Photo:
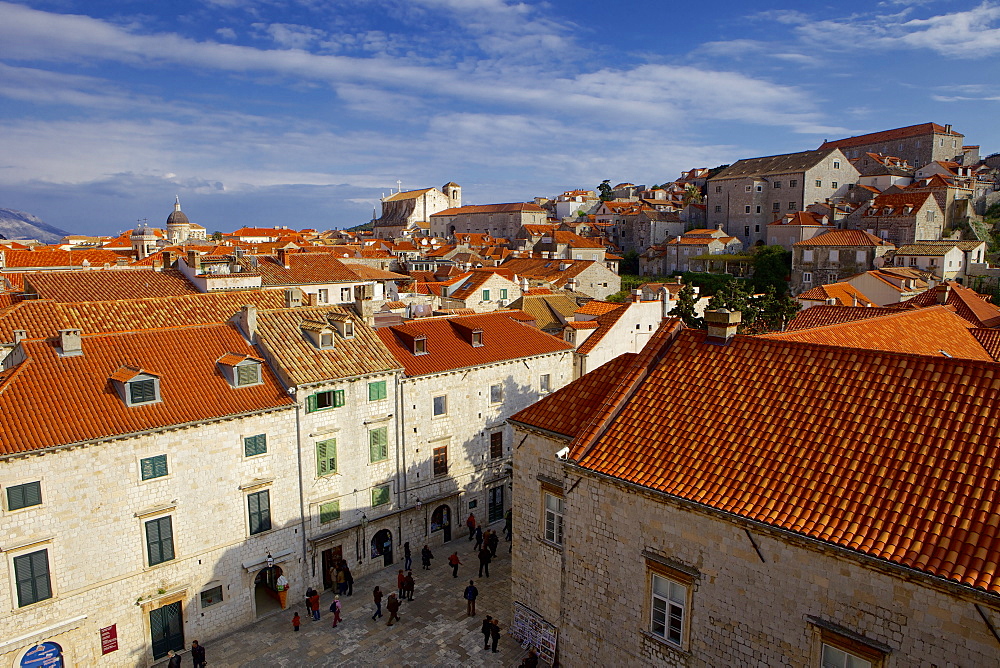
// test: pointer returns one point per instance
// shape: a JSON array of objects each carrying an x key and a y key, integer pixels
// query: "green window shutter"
[
  {"x": 310, "y": 403},
  {"x": 153, "y": 467},
  {"x": 255, "y": 445},
  {"x": 326, "y": 457},
  {"x": 23, "y": 496},
  {"x": 31, "y": 573},
  {"x": 159, "y": 540},
  {"x": 379, "y": 444},
  {"x": 376, "y": 390},
  {"x": 486, "y": 295},
  {"x": 142, "y": 391},
  {"x": 338, "y": 398},
  {"x": 503, "y": 293},
  {"x": 329, "y": 512},
  {"x": 259, "y": 505},
  {"x": 380, "y": 495}
]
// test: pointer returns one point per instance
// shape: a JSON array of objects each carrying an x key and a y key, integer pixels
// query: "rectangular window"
[
  {"x": 833, "y": 184},
  {"x": 554, "y": 508},
  {"x": 441, "y": 460},
  {"x": 748, "y": 188},
  {"x": 329, "y": 512},
  {"x": 380, "y": 496},
  {"x": 913, "y": 262},
  {"x": 324, "y": 296},
  {"x": 669, "y": 600},
  {"x": 718, "y": 208},
  {"x": 248, "y": 374},
  {"x": 819, "y": 183},
  {"x": 153, "y": 467},
  {"x": 440, "y": 405},
  {"x": 807, "y": 277},
  {"x": 746, "y": 209},
  {"x": 544, "y": 383},
  {"x": 496, "y": 445},
  {"x": 323, "y": 400},
  {"x": 718, "y": 189},
  {"x": 836, "y": 164},
  {"x": 792, "y": 206},
  {"x": 142, "y": 391},
  {"x": 378, "y": 442},
  {"x": 496, "y": 394},
  {"x": 503, "y": 293},
  {"x": 860, "y": 256},
  {"x": 758, "y": 209},
  {"x": 477, "y": 339},
  {"x": 486, "y": 295},
  {"x": 777, "y": 184},
  {"x": 835, "y": 256},
  {"x": 760, "y": 188},
  {"x": 756, "y": 228},
  {"x": 259, "y": 507},
  {"x": 212, "y": 596},
  {"x": 834, "y": 657},
  {"x": 793, "y": 183},
  {"x": 807, "y": 256},
  {"x": 31, "y": 573},
  {"x": 376, "y": 391},
  {"x": 326, "y": 457},
  {"x": 746, "y": 230},
  {"x": 159, "y": 540},
  {"x": 420, "y": 346},
  {"x": 255, "y": 445},
  {"x": 776, "y": 206},
  {"x": 930, "y": 215},
  {"x": 345, "y": 294},
  {"x": 23, "y": 496}
]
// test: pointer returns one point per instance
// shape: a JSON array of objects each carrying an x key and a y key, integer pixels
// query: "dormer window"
[
  {"x": 241, "y": 370},
  {"x": 477, "y": 338},
  {"x": 320, "y": 333},
  {"x": 420, "y": 345},
  {"x": 136, "y": 387},
  {"x": 326, "y": 340}
]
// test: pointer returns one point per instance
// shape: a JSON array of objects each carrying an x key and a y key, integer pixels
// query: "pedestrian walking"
[
  {"x": 493, "y": 543},
  {"x": 377, "y": 596},
  {"x": 314, "y": 605},
  {"x": 425, "y": 557},
  {"x": 454, "y": 562},
  {"x": 175, "y": 661},
  {"x": 341, "y": 581},
  {"x": 408, "y": 558},
  {"x": 349, "y": 579},
  {"x": 530, "y": 661},
  {"x": 486, "y": 631},
  {"x": 392, "y": 605},
  {"x": 296, "y": 620},
  {"x": 197, "y": 654},
  {"x": 309, "y": 593},
  {"x": 408, "y": 586},
  {"x": 484, "y": 561},
  {"x": 479, "y": 539},
  {"x": 471, "y": 594},
  {"x": 335, "y": 609},
  {"x": 471, "y": 523},
  {"x": 400, "y": 579},
  {"x": 495, "y": 634},
  {"x": 508, "y": 524}
]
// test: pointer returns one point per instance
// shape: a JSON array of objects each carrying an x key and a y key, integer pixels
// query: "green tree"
[
  {"x": 216, "y": 236},
  {"x": 735, "y": 296},
  {"x": 629, "y": 263},
  {"x": 692, "y": 194},
  {"x": 774, "y": 312},
  {"x": 605, "y": 189},
  {"x": 771, "y": 267},
  {"x": 684, "y": 309}
]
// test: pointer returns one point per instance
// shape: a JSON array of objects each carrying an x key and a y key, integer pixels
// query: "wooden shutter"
[
  {"x": 379, "y": 444},
  {"x": 329, "y": 512},
  {"x": 326, "y": 457},
  {"x": 310, "y": 403},
  {"x": 338, "y": 398}
]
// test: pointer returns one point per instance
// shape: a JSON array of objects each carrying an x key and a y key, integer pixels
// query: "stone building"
[
  {"x": 946, "y": 260},
  {"x": 799, "y": 226},
  {"x": 408, "y": 213},
  {"x": 916, "y": 144},
  {"x": 498, "y": 220},
  {"x": 589, "y": 277},
  {"x": 900, "y": 217},
  {"x": 676, "y": 510},
  {"x": 834, "y": 256},
  {"x": 751, "y": 193}
]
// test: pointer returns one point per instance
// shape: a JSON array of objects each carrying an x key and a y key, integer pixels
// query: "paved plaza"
[{"x": 433, "y": 629}]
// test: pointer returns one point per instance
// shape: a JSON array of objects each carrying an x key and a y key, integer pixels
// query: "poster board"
[{"x": 531, "y": 630}]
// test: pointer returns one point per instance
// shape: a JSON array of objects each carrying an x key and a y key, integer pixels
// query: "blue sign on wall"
[{"x": 44, "y": 655}]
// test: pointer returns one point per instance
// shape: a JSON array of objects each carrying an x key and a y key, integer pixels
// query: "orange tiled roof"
[
  {"x": 509, "y": 207},
  {"x": 82, "y": 405},
  {"x": 843, "y": 238},
  {"x": 547, "y": 270},
  {"x": 583, "y": 324},
  {"x": 448, "y": 346},
  {"x": 93, "y": 257},
  {"x": 889, "y": 135},
  {"x": 304, "y": 269},
  {"x": 597, "y": 307},
  {"x": 822, "y": 315},
  {"x": 845, "y": 294},
  {"x": 605, "y": 322},
  {"x": 968, "y": 304},
  {"x": 872, "y": 470},
  {"x": 110, "y": 285},
  {"x": 930, "y": 331}
]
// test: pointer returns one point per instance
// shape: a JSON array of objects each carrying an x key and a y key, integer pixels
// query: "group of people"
[{"x": 197, "y": 656}]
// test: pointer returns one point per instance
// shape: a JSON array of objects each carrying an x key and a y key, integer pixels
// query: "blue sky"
[{"x": 304, "y": 112}]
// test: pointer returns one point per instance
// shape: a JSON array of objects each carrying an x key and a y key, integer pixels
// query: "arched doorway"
[
  {"x": 382, "y": 546},
  {"x": 441, "y": 521},
  {"x": 266, "y": 596},
  {"x": 47, "y": 654}
]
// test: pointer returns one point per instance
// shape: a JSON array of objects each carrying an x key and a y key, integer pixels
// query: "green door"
[{"x": 167, "y": 629}]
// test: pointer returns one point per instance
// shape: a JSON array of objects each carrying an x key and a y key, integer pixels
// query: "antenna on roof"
[{"x": 399, "y": 186}]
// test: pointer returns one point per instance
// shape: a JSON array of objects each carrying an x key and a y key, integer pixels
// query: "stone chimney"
[
  {"x": 194, "y": 261},
  {"x": 722, "y": 325},
  {"x": 636, "y": 296},
  {"x": 283, "y": 258},
  {"x": 248, "y": 321},
  {"x": 943, "y": 292},
  {"x": 168, "y": 259},
  {"x": 20, "y": 335},
  {"x": 293, "y": 298},
  {"x": 571, "y": 285},
  {"x": 69, "y": 343}
]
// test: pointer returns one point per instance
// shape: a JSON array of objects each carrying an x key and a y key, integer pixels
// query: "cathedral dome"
[{"x": 177, "y": 217}]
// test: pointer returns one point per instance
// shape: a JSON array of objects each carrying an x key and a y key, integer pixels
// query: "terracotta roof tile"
[
  {"x": 92, "y": 257},
  {"x": 843, "y": 238},
  {"x": 111, "y": 285},
  {"x": 509, "y": 207},
  {"x": 597, "y": 307},
  {"x": 822, "y": 315},
  {"x": 889, "y": 135},
  {"x": 968, "y": 304},
  {"x": 81, "y": 402},
  {"x": 303, "y": 269},
  {"x": 845, "y": 294}
]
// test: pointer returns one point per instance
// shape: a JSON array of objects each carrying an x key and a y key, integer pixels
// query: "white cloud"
[
  {"x": 226, "y": 33},
  {"x": 968, "y": 34}
]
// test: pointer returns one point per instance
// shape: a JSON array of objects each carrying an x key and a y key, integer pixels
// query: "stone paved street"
[{"x": 433, "y": 630}]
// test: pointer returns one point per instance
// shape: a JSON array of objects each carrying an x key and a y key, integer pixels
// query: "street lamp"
[
  {"x": 419, "y": 503},
  {"x": 270, "y": 560}
]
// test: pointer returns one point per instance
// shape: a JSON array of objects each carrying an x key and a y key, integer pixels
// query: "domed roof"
[{"x": 177, "y": 217}]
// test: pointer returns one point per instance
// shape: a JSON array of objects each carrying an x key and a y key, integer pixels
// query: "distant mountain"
[{"x": 21, "y": 225}]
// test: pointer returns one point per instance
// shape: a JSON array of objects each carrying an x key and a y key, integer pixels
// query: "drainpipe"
[
  {"x": 401, "y": 487},
  {"x": 302, "y": 499}
]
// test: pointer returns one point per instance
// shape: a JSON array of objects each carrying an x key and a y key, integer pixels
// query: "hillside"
[{"x": 21, "y": 225}]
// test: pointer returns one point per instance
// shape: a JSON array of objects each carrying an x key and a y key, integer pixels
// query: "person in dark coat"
[
  {"x": 471, "y": 594},
  {"x": 493, "y": 543},
  {"x": 392, "y": 605},
  {"x": 486, "y": 631},
  {"x": 197, "y": 654},
  {"x": 530, "y": 661},
  {"x": 175, "y": 661},
  {"x": 377, "y": 597},
  {"x": 479, "y": 538},
  {"x": 400, "y": 580},
  {"x": 425, "y": 557},
  {"x": 484, "y": 561},
  {"x": 508, "y": 525},
  {"x": 349, "y": 578},
  {"x": 495, "y": 634},
  {"x": 408, "y": 586},
  {"x": 408, "y": 563}
]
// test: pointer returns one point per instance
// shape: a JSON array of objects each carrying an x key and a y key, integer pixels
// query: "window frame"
[
  {"x": 326, "y": 464},
  {"x": 154, "y": 461},
  {"x": 807, "y": 277},
  {"x": 133, "y": 385},
  {"x": 201, "y": 597},
  {"x": 545, "y": 383},
  {"x": 336, "y": 398},
  {"x": 263, "y": 516},
  {"x": 383, "y": 447},
  {"x": 496, "y": 441},
  {"x": 332, "y": 515},
  {"x": 7, "y": 499},
  {"x": 377, "y": 390},
  {"x": 558, "y": 518},
  {"x": 383, "y": 491},
  {"x": 439, "y": 460},
  {"x": 669, "y": 605},
  {"x": 161, "y": 541},
  {"x": 240, "y": 369},
  {"x": 486, "y": 295},
  {"x": 444, "y": 406},
  {"x": 33, "y": 578},
  {"x": 255, "y": 441},
  {"x": 499, "y": 392}
]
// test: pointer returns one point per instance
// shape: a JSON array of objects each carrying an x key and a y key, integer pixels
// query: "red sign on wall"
[{"x": 109, "y": 639}]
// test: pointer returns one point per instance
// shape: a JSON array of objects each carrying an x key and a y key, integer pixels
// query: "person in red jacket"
[{"x": 454, "y": 562}]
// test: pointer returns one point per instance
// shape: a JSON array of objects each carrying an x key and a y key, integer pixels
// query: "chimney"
[
  {"x": 20, "y": 335},
  {"x": 168, "y": 259},
  {"x": 722, "y": 325},
  {"x": 943, "y": 292},
  {"x": 571, "y": 285},
  {"x": 831, "y": 301},
  {"x": 293, "y": 298},
  {"x": 283, "y": 258},
  {"x": 69, "y": 343},
  {"x": 947, "y": 129},
  {"x": 121, "y": 262},
  {"x": 194, "y": 261},
  {"x": 248, "y": 321},
  {"x": 157, "y": 264},
  {"x": 636, "y": 296}
]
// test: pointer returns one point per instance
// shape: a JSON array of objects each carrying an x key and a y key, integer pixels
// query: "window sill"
[
  {"x": 664, "y": 642},
  {"x": 549, "y": 544}
]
